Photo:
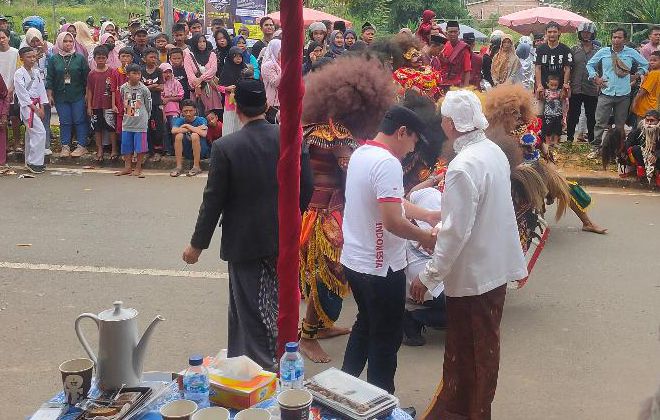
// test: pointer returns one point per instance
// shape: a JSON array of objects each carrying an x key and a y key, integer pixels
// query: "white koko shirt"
[
  {"x": 478, "y": 247},
  {"x": 374, "y": 175}
]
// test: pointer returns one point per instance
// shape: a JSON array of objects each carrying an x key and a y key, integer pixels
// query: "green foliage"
[{"x": 390, "y": 16}]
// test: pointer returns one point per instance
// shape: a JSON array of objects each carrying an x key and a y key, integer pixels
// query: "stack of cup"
[{"x": 253, "y": 414}]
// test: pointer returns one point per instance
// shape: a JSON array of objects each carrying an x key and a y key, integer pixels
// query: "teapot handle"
[{"x": 81, "y": 337}]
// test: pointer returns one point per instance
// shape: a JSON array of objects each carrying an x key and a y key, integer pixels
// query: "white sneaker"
[
  {"x": 66, "y": 151},
  {"x": 48, "y": 152},
  {"x": 79, "y": 151}
]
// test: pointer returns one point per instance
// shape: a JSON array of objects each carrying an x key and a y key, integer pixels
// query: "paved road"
[{"x": 579, "y": 342}]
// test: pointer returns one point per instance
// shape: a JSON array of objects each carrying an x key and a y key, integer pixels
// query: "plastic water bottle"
[
  {"x": 292, "y": 368},
  {"x": 196, "y": 382}
]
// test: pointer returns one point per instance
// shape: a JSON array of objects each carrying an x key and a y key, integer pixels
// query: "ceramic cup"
[
  {"x": 76, "y": 379},
  {"x": 211, "y": 413},
  {"x": 178, "y": 410},
  {"x": 253, "y": 414},
  {"x": 294, "y": 404}
]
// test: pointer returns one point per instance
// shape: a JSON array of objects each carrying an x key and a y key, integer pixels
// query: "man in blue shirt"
[
  {"x": 189, "y": 138},
  {"x": 613, "y": 79}
]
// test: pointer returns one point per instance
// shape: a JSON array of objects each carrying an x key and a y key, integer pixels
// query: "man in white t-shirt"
[
  {"x": 8, "y": 66},
  {"x": 477, "y": 253},
  {"x": 375, "y": 230}
]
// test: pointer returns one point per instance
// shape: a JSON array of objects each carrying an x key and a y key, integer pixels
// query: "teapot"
[{"x": 121, "y": 350}]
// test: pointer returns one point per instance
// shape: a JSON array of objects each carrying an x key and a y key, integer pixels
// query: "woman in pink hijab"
[
  {"x": 113, "y": 62},
  {"x": 80, "y": 49}
]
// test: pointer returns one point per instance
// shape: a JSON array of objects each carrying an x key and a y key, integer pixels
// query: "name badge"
[{"x": 67, "y": 79}]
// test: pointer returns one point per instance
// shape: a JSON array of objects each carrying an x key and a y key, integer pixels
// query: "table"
[{"x": 151, "y": 412}]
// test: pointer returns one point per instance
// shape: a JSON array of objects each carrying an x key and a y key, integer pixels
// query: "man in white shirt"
[
  {"x": 375, "y": 230},
  {"x": 8, "y": 66},
  {"x": 477, "y": 252}
]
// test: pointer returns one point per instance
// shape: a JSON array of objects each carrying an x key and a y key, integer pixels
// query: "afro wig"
[
  {"x": 509, "y": 105},
  {"x": 401, "y": 43},
  {"x": 353, "y": 91}
]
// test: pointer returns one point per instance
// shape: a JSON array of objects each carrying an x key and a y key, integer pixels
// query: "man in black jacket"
[{"x": 242, "y": 187}]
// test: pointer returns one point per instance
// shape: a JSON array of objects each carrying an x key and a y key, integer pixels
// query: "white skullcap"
[
  {"x": 464, "y": 109},
  {"x": 497, "y": 34}
]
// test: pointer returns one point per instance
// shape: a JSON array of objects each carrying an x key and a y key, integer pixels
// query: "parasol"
[
  {"x": 534, "y": 20},
  {"x": 310, "y": 16}
]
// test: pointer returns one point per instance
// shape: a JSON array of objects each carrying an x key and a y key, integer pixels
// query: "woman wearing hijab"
[
  {"x": 271, "y": 73},
  {"x": 201, "y": 65},
  {"x": 109, "y": 27},
  {"x": 66, "y": 80},
  {"x": 113, "y": 62},
  {"x": 523, "y": 51},
  {"x": 223, "y": 45},
  {"x": 350, "y": 38},
  {"x": 336, "y": 45},
  {"x": 84, "y": 36},
  {"x": 68, "y": 27},
  {"x": 317, "y": 33},
  {"x": 232, "y": 72},
  {"x": 506, "y": 66},
  {"x": 241, "y": 42},
  {"x": 313, "y": 52}
]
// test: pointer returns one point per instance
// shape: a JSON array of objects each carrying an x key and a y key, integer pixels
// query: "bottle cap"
[
  {"x": 291, "y": 347},
  {"x": 196, "y": 360}
]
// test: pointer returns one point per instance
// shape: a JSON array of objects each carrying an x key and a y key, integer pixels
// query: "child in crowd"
[
  {"x": 647, "y": 97},
  {"x": 179, "y": 71},
  {"x": 160, "y": 42},
  {"x": 552, "y": 115},
  {"x": 233, "y": 70},
  {"x": 152, "y": 78},
  {"x": 214, "y": 127},
  {"x": 30, "y": 90},
  {"x": 136, "y": 99},
  {"x": 171, "y": 96},
  {"x": 125, "y": 58},
  {"x": 101, "y": 88},
  {"x": 189, "y": 138}
]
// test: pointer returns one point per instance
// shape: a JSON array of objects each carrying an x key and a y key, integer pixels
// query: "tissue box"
[{"x": 232, "y": 393}]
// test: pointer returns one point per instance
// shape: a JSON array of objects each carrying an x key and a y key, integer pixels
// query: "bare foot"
[
  {"x": 594, "y": 229},
  {"x": 313, "y": 351},
  {"x": 333, "y": 331},
  {"x": 124, "y": 172}
]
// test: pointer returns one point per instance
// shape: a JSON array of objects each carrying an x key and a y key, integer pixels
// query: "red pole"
[{"x": 291, "y": 92}]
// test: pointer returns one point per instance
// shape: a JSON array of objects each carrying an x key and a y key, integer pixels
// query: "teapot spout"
[{"x": 141, "y": 348}]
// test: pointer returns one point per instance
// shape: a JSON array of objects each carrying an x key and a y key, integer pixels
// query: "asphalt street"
[{"x": 580, "y": 341}]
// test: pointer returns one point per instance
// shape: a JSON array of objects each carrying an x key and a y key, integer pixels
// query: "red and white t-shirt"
[{"x": 374, "y": 175}]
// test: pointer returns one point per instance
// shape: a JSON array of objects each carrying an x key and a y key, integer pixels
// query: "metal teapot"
[{"x": 121, "y": 350}]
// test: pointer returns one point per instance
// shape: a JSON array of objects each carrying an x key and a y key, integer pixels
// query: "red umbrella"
[
  {"x": 309, "y": 16},
  {"x": 534, "y": 20},
  {"x": 291, "y": 92}
]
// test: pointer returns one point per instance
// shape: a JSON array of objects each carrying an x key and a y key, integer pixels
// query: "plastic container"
[
  {"x": 292, "y": 368},
  {"x": 196, "y": 382}
]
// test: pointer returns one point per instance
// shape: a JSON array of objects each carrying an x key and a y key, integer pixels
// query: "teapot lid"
[{"x": 118, "y": 313}]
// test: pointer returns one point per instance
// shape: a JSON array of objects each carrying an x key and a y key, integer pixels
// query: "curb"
[
  {"x": 167, "y": 163},
  {"x": 609, "y": 181}
]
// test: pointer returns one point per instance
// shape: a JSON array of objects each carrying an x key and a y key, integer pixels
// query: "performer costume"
[
  {"x": 321, "y": 275},
  {"x": 534, "y": 180},
  {"x": 344, "y": 101},
  {"x": 410, "y": 73}
]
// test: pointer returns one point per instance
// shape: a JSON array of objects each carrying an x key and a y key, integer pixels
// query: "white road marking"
[{"x": 115, "y": 270}]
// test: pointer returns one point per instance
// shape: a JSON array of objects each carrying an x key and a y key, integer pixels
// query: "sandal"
[
  {"x": 194, "y": 172},
  {"x": 176, "y": 172},
  {"x": 98, "y": 158}
]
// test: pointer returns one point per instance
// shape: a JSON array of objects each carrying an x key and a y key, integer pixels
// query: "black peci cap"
[
  {"x": 438, "y": 39},
  {"x": 142, "y": 29},
  {"x": 366, "y": 26},
  {"x": 469, "y": 37},
  {"x": 398, "y": 116},
  {"x": 250, "y": 92},
  {"x": 452, "y": 24}
]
